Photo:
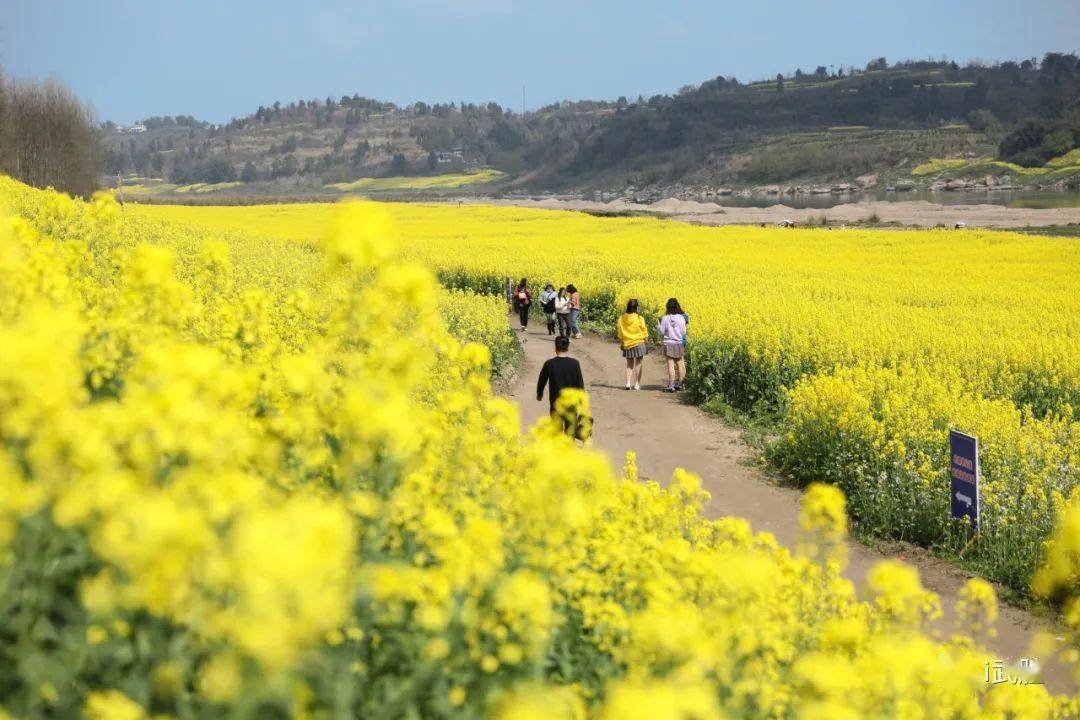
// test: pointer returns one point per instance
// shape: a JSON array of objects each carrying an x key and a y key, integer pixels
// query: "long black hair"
[
  {"x": 571, "y": 288},
  {"x": 523, "y": 283},
  {"x": 673, "y": 307},
  {"x": 631, "y": 306}
]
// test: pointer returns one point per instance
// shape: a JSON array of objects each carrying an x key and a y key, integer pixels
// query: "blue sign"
[{"x": 964, "y": 473}]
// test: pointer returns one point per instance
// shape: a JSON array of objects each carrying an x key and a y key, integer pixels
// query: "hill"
[
  {"x": 306, "y": 146},
  {"x": 875, "y": 125},
  {"x": 881, "y": 119}
]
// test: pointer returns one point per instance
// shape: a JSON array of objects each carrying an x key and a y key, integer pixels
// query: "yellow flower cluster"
[
  {"x": 977, "y": 609},
  {"x": 823, "y": 522},
  {"x": 449, "y": 180},
  {"x": 248, "y": 478},
  {"x": 866, "y": 345}
]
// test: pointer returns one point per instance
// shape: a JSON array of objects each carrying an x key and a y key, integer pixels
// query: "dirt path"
[{"x": 667, "y": 433}]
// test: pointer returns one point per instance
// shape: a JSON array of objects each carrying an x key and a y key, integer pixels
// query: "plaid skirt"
[
  {"x": 675, "y": 352},
  {"x": 638, "y": 351}
]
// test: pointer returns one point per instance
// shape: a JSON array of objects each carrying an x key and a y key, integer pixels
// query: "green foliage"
[
  {"x": 51, "y": 649},
  {"x": 1037, "y": 141}
]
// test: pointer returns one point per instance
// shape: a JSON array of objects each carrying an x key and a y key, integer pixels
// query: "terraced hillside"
[{"x": 870, "y": 126}]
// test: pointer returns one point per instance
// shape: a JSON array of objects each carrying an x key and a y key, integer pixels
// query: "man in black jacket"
[{"x": 559, "y": 372}]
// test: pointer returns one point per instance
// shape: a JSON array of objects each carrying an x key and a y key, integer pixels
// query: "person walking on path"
[
  {"x": 522, "y": 301},
  {"x": 561, "y": 371},
  {"x": 672, "y": 329},
  {"x": 575, "y": 310},
  {"x": 562, "y": 312},
  {"x": 547, "y": 304},
  {"x": 633, "y": 335}
]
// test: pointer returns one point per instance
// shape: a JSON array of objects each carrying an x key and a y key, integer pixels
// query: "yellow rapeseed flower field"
[
  {"x": 242, "y": 477},
  {"x": 867, "y": 345},
  {"x": 428, "y": 182},
  {"x": 1067, "y": 163}
]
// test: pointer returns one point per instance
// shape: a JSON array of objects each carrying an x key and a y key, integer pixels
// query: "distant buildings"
[{"x": 444, "y": 157}]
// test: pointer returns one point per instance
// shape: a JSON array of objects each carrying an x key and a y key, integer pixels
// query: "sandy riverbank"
[{"x": 913, "y": 213}]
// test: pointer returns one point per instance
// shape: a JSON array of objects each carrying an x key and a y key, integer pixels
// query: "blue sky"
[{"x": 216, "y": 59}]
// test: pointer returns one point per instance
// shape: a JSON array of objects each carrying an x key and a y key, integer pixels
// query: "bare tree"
[{"x": 47, "y": 137}]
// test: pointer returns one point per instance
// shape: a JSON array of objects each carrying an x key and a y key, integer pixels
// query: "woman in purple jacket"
[{"x": 672, "y": 338}]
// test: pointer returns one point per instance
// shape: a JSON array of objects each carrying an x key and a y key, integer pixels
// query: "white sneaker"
[{"x": 636, "y": 386}]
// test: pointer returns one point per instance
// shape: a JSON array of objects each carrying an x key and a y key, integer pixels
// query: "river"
[{"x": 1035, "y": 199}]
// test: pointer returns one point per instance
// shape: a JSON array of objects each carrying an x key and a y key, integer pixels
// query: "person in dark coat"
[
  {"x": 561, "y": 371},
  {"x": 522, "y": 301}
]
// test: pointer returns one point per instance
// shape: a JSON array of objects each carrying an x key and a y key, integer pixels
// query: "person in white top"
[
  {"x": 673, "y": 339},
  {"x": 562, "y": 311}
]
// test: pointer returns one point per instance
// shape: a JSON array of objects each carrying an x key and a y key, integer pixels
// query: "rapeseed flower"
[{"x": 241, "y": 472}]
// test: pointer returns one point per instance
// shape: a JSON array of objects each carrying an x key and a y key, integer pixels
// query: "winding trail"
[{"x": 666, "y": 433}]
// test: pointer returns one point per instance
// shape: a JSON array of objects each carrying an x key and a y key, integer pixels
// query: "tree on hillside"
[
  {"x": 1058, "y": 68},
  {"x": 1036, "y": 140},
  {"x": 984, "y": 121},
  {"x": 902, "y": 87},
  {"x": 398, "y": 166},
  {"x": 249, "y": 174},
  {"x": 285, "y": 166},
  {"x": 218, "y": 170},
  {"x": 359, "y": 153},
  {"x": 212, "y": 170},
  {"x": 976, "y": 95},
  {"x": 506, "y": 136},
  {"x": 779, "y": 82}
]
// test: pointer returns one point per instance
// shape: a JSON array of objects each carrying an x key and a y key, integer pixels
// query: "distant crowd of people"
[
  {"x": 562, "y": 312},
  {"x": 561, "y": 308}
]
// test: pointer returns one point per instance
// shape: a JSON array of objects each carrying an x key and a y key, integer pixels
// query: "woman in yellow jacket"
[{"x": 633, "y": 335}]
